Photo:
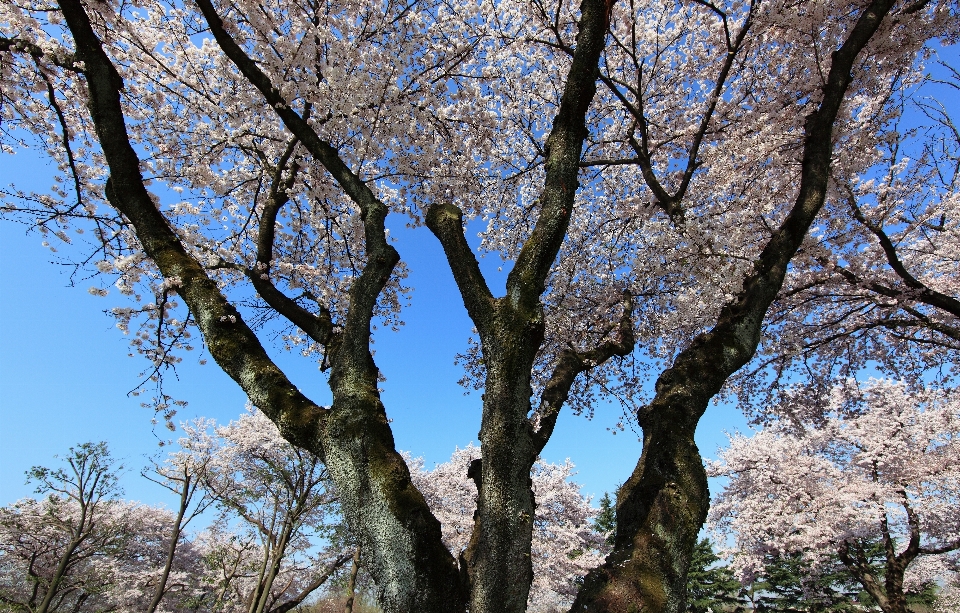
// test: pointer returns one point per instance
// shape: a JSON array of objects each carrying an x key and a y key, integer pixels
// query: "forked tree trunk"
[
  {"x": 400, "y": 538},
  {"x": 511, "y": 328},
  {"x": 412, "y": 568},
  {"x": 664, "y": 502}
]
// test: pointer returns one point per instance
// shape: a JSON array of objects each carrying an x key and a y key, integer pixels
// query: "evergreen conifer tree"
[{"x": 711, "y": 587}]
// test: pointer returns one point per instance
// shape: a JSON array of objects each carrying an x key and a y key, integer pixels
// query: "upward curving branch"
[
  {"x": 411, "y": 566},
  {"x": 571, "y": 364},
  {"x": 231, "y": 342},
  {"x": 526, "y": 282},
  {"x": 446, "y": 223},
  {"x": 663, "y": 504},
  {"x": 381, "y": 256},
  {"x": 318, "y": 327}
]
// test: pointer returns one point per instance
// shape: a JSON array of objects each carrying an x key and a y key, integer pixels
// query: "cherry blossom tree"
[
  {"x": 565, "y": 545},
  {"x": 647, "y": 170},
  {"x": 114, "y": 567},
  {"x": 883, "y": 287},
  {"x": 948, "y": 600},
  {"x": 182, "y": 474},
  {"x": 886, "y": 474},
  {"x": 47, "y": 542},
  {"x": 80, "y": 548},
  {"x": 284, "y": 502}
]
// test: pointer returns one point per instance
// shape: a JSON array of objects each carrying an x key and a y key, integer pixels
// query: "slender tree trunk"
[
  {"x": 352, "y": 582},
  {"x": 860, "y": 568},
  {"x": 77, "y": 538},
  {"x": 172, "y": 549},
  {"x": 888, "y": 594},
  {"x": 58, "y": 574},
  {"x": 253, "y": 599},
  {"x": 273, "y": 568}
]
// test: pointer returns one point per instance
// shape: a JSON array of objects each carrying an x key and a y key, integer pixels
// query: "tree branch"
[
  {"x": 663, "y": 504},
  {"x": 923, "y": 293},
  {"x": 318, "y": 327},
  {"x": 526, "y": 282},
  {"x": 570, "y": 365},
  {"x": 861, "y": 570},
  {"x": 67, "y": 61},
  {"x": 315, "y": 585},
  {"x": 231, "y": 342},
  {"x": 446, "y": 223}
]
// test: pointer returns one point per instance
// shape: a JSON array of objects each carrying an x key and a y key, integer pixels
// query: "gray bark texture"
[{"x": 663, "y": 504}]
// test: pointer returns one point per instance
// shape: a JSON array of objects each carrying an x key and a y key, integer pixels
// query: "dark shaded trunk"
[
  {"x": 663, "y": 504},
  {"x": 400, "y": 537},
  {"x": 410, "y": 564},
  {"x": 352, "y": 582}
]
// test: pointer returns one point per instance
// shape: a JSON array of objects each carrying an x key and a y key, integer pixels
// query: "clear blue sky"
[{"x": 65, "y": 374}]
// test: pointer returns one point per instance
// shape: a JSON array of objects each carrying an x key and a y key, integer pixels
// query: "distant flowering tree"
[
  {"x": 948, "y": 600},
  {"x": 565, "y": 544},
  {"x": 181, "y": 472},
  {"x": 48, "y": 546},
  {"x": 80, "y": 548},
  {"x": 114, "y": 568},
  {"x": 883, "y": 467},
  {"x": 279, "y": 500}
]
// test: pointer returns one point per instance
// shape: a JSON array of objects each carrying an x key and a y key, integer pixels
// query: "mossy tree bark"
[
  {"x": 663, "y": 504},
  {"x": 412, "y": 568},
  {"x": 511, "y": 331}
]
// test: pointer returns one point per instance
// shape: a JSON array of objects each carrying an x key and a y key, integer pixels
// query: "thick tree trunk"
[
  {"x": 413, "y": 569},
  {"x": 401, "y": 539},
  {"x": 896, "y": 599},
  {"x": 663, "y": 504},
  {"x": 499, "y": 564},
  {"x": 660, "y": 510}
]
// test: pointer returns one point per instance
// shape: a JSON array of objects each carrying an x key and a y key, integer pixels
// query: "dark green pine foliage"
[
  {"x": 876, "y": 556},
  {"x": 606, "y": 520},
  {"x": 787, "y": 587},
  {"x": 711, "y": 587}
]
